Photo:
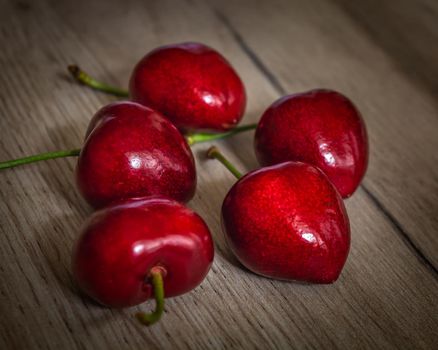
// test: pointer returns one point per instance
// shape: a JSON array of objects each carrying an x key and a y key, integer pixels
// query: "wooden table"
[{"x": 382, "y": 54}]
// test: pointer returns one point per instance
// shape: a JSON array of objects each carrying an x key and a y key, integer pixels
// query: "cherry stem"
[
  {"x": 38, "y": 157},
  {"x": 204, "y": 137},
  {"x": 214, "y": 153},
  {"x": 156, "y": 275},
  {"x": 87, "y": 80}
]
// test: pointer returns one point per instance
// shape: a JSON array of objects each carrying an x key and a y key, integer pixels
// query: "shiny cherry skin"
[
  {"x": 121, "y": 243},
  {"x": 133, "y": 151},
  {"x": 192, "y": 85},
  {"x": 319, "y": 127},
  {"x": 287, "y": 221}
]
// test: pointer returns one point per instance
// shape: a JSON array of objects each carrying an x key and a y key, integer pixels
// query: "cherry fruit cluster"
[{"x": 286, "y": 220}]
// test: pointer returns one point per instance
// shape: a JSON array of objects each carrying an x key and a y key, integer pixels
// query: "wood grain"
[{"x": 387, "y": 294}]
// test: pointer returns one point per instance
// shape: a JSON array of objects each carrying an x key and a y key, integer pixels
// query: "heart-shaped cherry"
[
  {"x": 128, "y": 251},
  {"x": 133, "y": 151},
  {"x": 190, "y": 83},
  {"x": 286, "y": 221},
  {"x": 319, "y": 127}
]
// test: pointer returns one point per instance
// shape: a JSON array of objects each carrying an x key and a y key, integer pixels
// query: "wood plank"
[
  {"x": 315, "y": 44},
  {"x": 385, "y": 298},
  {"x": 415, "y": 58}
]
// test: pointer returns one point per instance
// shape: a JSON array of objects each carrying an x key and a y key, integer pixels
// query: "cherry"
[
  {"x": 129, "y": 151},
  {"x": 134, "y": 151},
  {"x": 135, "y": 249},
  {"x": 286, "y": 221},
  {"x": 190, "y": 83},
  {"x": 319, "y": 127}
]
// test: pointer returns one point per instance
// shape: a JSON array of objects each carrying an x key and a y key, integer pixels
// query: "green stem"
[
  {"x": 38, "y": 157},
  {"x": 204, "y": 137},
  {"x": 214, "y": 153},
  {"x": 157, "y": 273},
  {"x": 87, "y": 80}
]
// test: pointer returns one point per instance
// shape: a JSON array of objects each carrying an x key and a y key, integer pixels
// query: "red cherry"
[
  {"x": 319, "y": 127},
  {"x": 133, "y": 151},
  {"x": 122, "y": 244},
  {"x": 191, "y": 84},
  {"x": 287, "y": 221}
]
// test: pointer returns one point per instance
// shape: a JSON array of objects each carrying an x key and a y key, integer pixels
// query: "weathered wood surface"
[{"x": 387, "y": 296}]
